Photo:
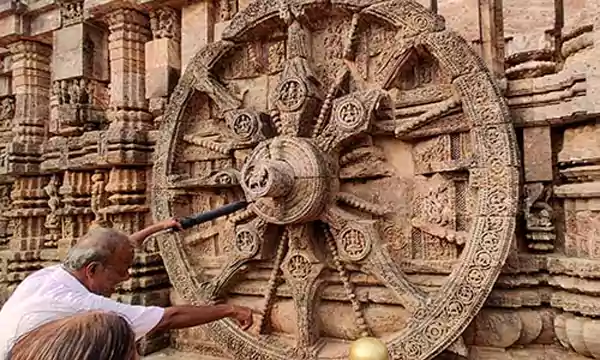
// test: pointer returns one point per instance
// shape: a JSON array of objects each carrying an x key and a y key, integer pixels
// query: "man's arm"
[
  {"x": 184, "y": 316},
  {"x": 147, "y": 319},
  {"x": 139, "y": 237}
]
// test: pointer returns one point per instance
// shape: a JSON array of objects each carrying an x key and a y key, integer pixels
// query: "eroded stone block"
[{"x": 163, "y": 65}]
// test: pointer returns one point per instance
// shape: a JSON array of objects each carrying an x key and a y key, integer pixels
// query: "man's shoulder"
[
  {"x": 43, "y": 273},
  {"x": 50, "y": 280},
  {"x": 39, "y": 277}
]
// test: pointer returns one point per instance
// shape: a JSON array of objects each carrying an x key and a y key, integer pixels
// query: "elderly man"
[{"x": 89, "y": 274}]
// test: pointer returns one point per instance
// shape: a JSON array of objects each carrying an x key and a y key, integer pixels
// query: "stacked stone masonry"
[{"x": 425, "y": 172}]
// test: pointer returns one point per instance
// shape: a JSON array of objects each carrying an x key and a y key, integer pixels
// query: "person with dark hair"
[
  {"x": 84, "y": 281},
  {"x": 87, "y": 336}
]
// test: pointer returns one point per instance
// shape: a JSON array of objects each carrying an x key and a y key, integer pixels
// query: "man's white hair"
[{"x": 98, "y": 245}]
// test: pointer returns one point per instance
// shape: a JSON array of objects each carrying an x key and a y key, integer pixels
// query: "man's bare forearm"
[
  {"x": 184, "y": 316},
  {"x": 139, "y": 237}
]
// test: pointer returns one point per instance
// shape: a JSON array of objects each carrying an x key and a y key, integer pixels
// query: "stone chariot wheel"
[{"x": 381, "y": 164}]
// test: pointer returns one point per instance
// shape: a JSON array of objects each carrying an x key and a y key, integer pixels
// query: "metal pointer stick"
[{"x": 197, "y": 219}]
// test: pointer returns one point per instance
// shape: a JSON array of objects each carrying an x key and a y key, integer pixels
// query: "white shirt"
[{"x": 52, "y": 293}]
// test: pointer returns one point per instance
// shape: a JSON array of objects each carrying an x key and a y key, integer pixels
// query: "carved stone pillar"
[
  {"x": 163, "y": 59},
  {"x": 126, "y": 195},
  {"x": 127, "y": 210},
  {"x": 587, "y": 34},
  {"x": 128, "y": 35},
  {"x": 580, "y": 191},
  {"x": 127, "y": 136},
  {"x": 76, "y": 212},
  {"x": 31, "y": 87},
  {"x": 29, "y": 214},
  {"x": 16, "y": 266},
  {"x": 7, "y": 112}
]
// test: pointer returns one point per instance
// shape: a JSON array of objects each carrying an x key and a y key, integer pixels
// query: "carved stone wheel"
[{"x": 375, "y": 148}]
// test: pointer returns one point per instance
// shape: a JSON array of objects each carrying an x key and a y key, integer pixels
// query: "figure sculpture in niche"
[{"x": 339, "y": 152}]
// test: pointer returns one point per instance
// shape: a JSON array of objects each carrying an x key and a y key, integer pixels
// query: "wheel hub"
[{"x": 288, "y": 180}]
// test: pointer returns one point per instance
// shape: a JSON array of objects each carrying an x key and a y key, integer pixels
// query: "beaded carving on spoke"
[{"x": 326, "y": 202}]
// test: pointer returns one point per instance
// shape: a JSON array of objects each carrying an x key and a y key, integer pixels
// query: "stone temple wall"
[{"x": 424, "y": 173}]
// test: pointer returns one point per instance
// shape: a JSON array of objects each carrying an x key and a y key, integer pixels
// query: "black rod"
[{"x": 197, "y": 219}]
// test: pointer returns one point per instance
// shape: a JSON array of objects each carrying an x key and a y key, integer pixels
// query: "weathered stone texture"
[{"x": 420, "y": 171}]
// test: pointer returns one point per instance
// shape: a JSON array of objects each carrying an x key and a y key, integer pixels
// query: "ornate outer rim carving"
[{"x": 491, "y": 233}]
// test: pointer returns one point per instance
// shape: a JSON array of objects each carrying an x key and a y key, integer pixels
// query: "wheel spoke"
[
  {"x": 253, "y": 241},
  {"x": 351, "y": 116},
  {"x": 225, "y": 178},
  {"x": 274, "y": 280},
  {"x": 206, "y": 82},
  {"x": 297, "y": 95},
  {"x": 358, "y": 242},
  {"x": 301, "y": 270},
  {"x": 361, "y": 204},
  {"x": 356, "y": 307}
]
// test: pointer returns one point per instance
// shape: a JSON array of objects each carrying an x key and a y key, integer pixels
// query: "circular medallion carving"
[
  {"x": 355, "y": 244},
  {"x": 466, "y": 294},
  {"x": 225, "y": 178},
  {"x": 246, "y": 242},
  {"x": 291, "y": 94},
  {"x": 455, "y": 309},
  {"x": 350, "y": 114},
  {"x": 484, "y": 260},
  {"x": 434, "y": 331},
  {"x": 298, "y": 266},
  {"x": 245, "y": 125},
  {"x": 332, "y": 176}
]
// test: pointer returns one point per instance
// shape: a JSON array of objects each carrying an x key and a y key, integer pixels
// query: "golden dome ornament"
[{"x": 368, "y": 348}]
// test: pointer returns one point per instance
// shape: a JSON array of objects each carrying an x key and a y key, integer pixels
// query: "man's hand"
[
  {"x": 169, "y": 223},
  {"x": 139, "y": 237},
  {"x": 243, "y": 316}
]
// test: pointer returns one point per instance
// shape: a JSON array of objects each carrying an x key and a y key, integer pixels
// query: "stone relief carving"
[
  {"x": 410, "y": 164},
  {"x": 539, "y": 217},
  {"x": 72, "y": 91},
  {"x": 165, "y": 23},
  {"x": 71, "y": 12},
  {"x": 5, "y": 206},
  {"x": 226, "y": 9},
  {"x": 99, "y": 199},
  {"x": 7, "y": 111},
  {"x": 77, "y": 107},
  {"x": 317, "y": 220},
  {"x": 52, "y": 222}
]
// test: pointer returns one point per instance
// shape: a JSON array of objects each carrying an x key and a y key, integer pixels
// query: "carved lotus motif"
[{"x": 339, "y": 145}]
